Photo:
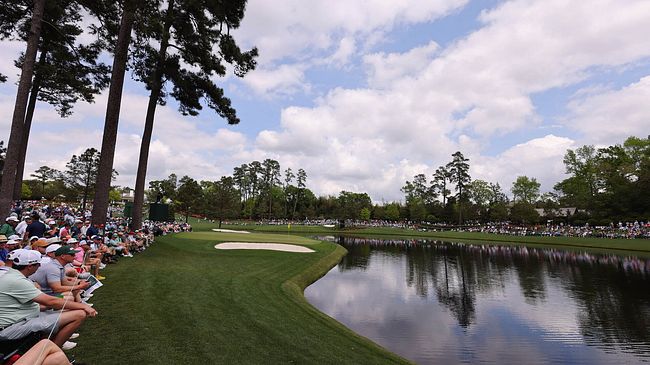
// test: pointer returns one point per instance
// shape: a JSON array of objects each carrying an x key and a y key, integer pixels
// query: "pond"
[{"x": 438, "y": 302}]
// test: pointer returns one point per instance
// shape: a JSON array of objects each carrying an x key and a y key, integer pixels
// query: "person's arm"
[
  {"x": 57, "y": 287},
  {"x": 57, "y": 303}
]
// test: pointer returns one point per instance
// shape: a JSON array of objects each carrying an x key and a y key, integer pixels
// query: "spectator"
[
  {"x": 45, "y": 352},
  {"x": 8, "y": 229},
  {"x": 22, "y": 226},
  {"x": 75, "y": 231},
  {"x": 36, "y": 228},
  {"x": 65, "y": 231},
  {"x": 55, "y": 276},
  {"x": 20, "y": 312},
  {"x": 3, "y": 250}
]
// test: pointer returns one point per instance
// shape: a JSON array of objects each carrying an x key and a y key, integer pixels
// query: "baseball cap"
[
  {"x": 27, "y": 257},
  {"x": 11, "y": 255},
  {"x": 52, "y": 248},
  {"x": 54, "y": 239},
  {"x": 71, "y": 241},
  {"x": 83, "y": 242},
  {"x": 14, "y": 237},
  {"x": 11, "y": 218},
  {"x": 65, "y": 250},
  {"x": 41, "y": 242},
  {"x": 3, "y": 238},
  {"x": 12, "y": 242},
  {"x": 33, "y": 238}
]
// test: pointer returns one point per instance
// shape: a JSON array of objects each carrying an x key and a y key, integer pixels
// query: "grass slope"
[{"x": 184, "y": 302}]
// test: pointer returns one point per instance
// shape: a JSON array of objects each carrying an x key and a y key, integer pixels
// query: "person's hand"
[
  {"x": 90, "y": 311},
  {"x": 83, "y": 284}
]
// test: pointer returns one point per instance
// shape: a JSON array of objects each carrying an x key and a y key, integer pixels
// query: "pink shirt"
[{"x": 79, "y": 256}]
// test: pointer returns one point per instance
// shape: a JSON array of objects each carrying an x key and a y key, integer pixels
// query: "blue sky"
[{"x": 365, "y": 94}]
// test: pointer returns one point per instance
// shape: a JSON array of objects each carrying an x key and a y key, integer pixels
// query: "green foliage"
[
  {"x": 25, "y": 192},
  {"x": 221, "y": 199},
  {"x": 392, "y": 212},
  {"x": 350, "y": 204},
  {"x": 364, "y": 215},
  {"x": 608, "y": 182},
  {"x": 114, "y": 195},
  {"x": 459, "y": 174},
  {"x": 67, "y": 70},
  {"x": 81, "y": 173},
  {"x": 525, "y": 189},
  {"x": 189, "y": 196},
  {"x": 44, "y": 175},
  {"x": 163, "y": 189},
  {"x": 523, "y": 212},
  {"x": 199, "y": 34}
]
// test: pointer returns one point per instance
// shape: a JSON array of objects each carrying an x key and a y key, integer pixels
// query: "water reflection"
[{"x": 461, "y": 303}]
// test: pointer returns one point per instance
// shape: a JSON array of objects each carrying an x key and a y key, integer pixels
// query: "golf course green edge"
[{"x": 294, "y": 289}]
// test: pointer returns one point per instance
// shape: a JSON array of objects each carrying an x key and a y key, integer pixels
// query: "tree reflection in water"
[{"x": 612, "y": 291}]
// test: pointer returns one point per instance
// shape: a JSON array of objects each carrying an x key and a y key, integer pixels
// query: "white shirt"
[{"x": 21, "y": 228}]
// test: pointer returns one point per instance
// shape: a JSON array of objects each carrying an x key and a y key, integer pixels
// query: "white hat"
[
  {"x": 27, "y": 257},
  {"x": 83, "y": 242},
  {"x": 54, "y": 239},
  {"x": 14, "y": 253},
  {"x": 52, "y": 248},
  {"x": 12, "y": 242},
  {"x": 51, "y": 221},
  {"x": 33, "y": 238},
  {"x": 14, "y": 237},
  {"x": 71, "y": 241},
  {"x": 11, "y": 218}
]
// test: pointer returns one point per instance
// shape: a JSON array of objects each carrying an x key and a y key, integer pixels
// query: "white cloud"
[
  {"x": 539, "y": 158},
  {"x": 294, "y": 35},
  {"x": 296, "y": 28},
  {"x": 284, "y": 80},
  {"x": 609, "y": 117},
  {"x": 384, "y": 69}
]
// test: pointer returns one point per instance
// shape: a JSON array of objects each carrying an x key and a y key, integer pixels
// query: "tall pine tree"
[{"x": 199, "y": 34}]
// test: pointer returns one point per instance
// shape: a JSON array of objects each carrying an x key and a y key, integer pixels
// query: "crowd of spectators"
[
  {"x": 628, "y": 230},
  {"x": 50, "y": 262}
]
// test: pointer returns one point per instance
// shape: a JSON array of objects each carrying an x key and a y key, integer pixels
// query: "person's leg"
[
  {"x": 44, "y": 352},
  {"x": 68, "y": 323}
]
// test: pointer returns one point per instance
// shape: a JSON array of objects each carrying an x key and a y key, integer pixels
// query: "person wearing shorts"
[{"x": 20, "y": 302}]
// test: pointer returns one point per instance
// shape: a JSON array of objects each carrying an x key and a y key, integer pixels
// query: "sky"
[{"x": 363, "y": 95}]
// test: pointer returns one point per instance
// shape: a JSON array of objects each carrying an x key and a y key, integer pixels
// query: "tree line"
[
  {"x": 176, "y": 48},
  {"x": 603, "y": 185}
]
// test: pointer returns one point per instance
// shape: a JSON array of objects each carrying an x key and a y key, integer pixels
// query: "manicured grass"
[
  {"x": 184, "y": 302},
  {"x": 640, "y": 246}
]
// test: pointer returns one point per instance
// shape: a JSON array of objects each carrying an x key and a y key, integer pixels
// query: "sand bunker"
[
  {"x": 228, "y": 231},
  {"x": 262, "y": 246}
]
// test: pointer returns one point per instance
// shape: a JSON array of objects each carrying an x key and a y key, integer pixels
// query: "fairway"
[{"x": 183, "y": 301}]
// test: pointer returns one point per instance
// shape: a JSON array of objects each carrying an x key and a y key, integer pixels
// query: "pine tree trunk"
[
  {"x": 460, "y": 205},
  {"x": 138, "y": 199},
  {"x": 29, "y": 116},
  {"x": 105, "y": 172},
  {"x": 18, "y": 119}
]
